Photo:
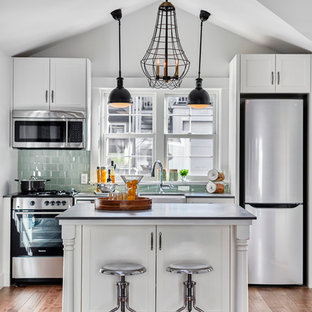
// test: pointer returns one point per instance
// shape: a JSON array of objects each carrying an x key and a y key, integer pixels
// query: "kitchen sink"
[{"x": 165, "y": 197}]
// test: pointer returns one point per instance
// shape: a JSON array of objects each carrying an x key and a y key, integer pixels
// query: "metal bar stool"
[
  {"x": 123, "y": 270},
  {"x": 189, "y": 284}
]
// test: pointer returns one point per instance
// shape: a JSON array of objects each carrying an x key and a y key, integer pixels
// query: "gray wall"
[
  {"x": 101, "y": 45},
  {"x": 8, "y": 157}
]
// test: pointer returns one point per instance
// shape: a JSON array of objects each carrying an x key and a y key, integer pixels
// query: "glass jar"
[
  {"x": 132, "y": 189},
  {"x": 173, "y": 175}
]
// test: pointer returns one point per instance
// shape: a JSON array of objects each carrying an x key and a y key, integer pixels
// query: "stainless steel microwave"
[{"x": 48, "y": 129}]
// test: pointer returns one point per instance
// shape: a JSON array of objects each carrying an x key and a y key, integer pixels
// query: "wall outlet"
[
  {"x": 84, "y": 178},
  {"x": 183, "y": 188}
]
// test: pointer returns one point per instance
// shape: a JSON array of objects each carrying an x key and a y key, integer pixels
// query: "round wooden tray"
[{"x": 141, "y": 203}]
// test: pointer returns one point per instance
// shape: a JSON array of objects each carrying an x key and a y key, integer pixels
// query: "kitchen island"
[{"x": 214, "y": 234}]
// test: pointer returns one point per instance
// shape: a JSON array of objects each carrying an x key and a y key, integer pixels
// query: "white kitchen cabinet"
[
  {"x": 211, "y": 200},
  {"x": 258, "y": 73},
  {"x": 51, "y": 83},
  {"x": 201, "y": 244},
  {"x": 113, "y": 244},
  {"x": 275, "y": 73},
  {"x": 31, "y": 83},
  {"x": 68, "y": 81},
  {"x": 151, "y": 246},
  {"x": 293, "y": 73}
]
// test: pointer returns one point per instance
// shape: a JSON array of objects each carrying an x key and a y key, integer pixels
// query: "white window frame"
[
  {"x": 160, "y": 133},
  {"x": 214, "y": 136},
  {"x": 104, "y": 135}
]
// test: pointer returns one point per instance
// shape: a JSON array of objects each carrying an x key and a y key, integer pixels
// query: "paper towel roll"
[
  {"x": 215, "y": 175},
  {"x": 211, "y": 187}
]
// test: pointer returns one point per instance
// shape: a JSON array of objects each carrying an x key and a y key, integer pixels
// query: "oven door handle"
[{"x": 38, "y": 213}]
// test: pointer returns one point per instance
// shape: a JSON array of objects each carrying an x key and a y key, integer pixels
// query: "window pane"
[
  {"x": 118, "y": 124},
  {"x": 142, "y": 147},
  {"x": 195, "y": 155},
  {"x": 141, "y": 165},
  {"x": 184, "y": 119},
  {"x": 196, "y": 166},
  {"x": 131, "y": 155},
  {"x": 142, "y": 105},
  {"x": 141, "y": 124},
  {"x": 190, "y": 147},
  {"x": 202, "y": 124},
  {"x": 137, "y": 118},
  {"x": 118, "y": 110},
  {"x": 178, "y": 124},
  {"x": 118, "y": 147}
]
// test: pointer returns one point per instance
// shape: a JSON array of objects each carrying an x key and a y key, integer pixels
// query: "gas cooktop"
[{"x": 49, "y": 193}]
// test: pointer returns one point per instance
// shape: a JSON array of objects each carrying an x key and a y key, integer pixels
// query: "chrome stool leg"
[
  {"x": 189, "y": 296},
  {"x": 194, "y": 300},
  {"x": 122, "y": 296}
]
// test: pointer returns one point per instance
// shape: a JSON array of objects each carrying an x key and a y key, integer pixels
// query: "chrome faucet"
[{"x": 161, "y": 185}]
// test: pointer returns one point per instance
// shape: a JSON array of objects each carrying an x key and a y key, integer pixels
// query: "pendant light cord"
[
  {"x": 200, "y": 47},
  {"x": 119, "y": 48}
]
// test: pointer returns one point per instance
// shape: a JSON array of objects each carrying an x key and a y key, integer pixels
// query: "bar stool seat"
[
  {"x": 189, "y": 268},
  {"x": 189, "y": 285},
  {"x": 123, "y": 269}
]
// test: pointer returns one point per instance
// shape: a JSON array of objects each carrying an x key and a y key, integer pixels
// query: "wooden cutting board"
[{"x": 141, "y": 203}]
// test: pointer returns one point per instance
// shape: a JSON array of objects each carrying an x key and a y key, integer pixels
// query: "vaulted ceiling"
[{"x": 283, "y": 25}]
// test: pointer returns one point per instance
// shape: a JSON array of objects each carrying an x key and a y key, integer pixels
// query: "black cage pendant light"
[
  {"x": 119, "y": 97},
  {"x": 165, "y": 63},
  {"x": 199, "y": 98}
]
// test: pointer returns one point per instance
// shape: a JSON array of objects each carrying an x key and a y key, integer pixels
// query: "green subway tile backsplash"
[{"x": 62, "y": 167}]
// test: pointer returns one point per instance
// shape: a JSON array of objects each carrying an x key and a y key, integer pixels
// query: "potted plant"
[{"x": 183, "y": 174}]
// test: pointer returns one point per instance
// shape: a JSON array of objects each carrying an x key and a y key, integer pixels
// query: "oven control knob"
[
  {"x": 46, "y": 203},
  {"x": 58, "y": 203},
  {"x": 52, "y": 202},
  {"x": 32, "y": 203},
  {"x": 63, "y": 202}
]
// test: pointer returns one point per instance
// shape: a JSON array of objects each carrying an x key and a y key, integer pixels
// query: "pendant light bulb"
[
  {"x": 119, "y": 97},
  {"x": 199, "y": 98}
]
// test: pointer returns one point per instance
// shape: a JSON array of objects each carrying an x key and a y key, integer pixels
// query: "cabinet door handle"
[
  {"x": 152, "y": 241},
  {"x": 46, "y": 96},
  {"x": 52, "y": 96},
  {"x": 278, "y": 78},
  {"x": 272, "y": 78},
  {"x": 160, "y": 240}
]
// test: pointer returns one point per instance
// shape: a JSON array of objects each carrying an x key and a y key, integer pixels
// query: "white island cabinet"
[{"x": 213, "y": 234}]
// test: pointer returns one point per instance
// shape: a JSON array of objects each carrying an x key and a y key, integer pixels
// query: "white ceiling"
[
  {"x": 295, "y": 13},
  {"x": 27, "y": 25}
]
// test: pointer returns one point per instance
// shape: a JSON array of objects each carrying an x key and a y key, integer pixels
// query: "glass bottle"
[
  {"x": 103, "y": 175},
  {"x": 98, "y": 173},
  {"x": 109, "y": 179},
  {"x": 112, "y": 170}
]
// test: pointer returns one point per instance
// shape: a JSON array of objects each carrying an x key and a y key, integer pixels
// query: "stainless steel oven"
[
  {"x": 48, "y": 129},
  {"x": 36, "y": 240}
]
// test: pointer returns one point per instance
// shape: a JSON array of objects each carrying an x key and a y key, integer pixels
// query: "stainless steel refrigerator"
[{"x": 274, "y": 189}]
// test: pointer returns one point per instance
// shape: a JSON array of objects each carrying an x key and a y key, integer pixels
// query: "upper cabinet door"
[
  {"x": 68, "y": 83},
  {"x": 293, "y": 73},
  {"x": 31, "y": 83},
  {"x": 194, "y": 244},
  {"x": 258, "y": 73}
]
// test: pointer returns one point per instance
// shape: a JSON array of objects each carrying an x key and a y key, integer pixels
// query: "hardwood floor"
[
  {"x": 282, "y": 299},
  {"x": 49, "y": 299},
  {"x": 31, "y": 299}
]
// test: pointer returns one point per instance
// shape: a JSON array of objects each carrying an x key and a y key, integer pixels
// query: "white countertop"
[{"x": 177, "y": 211}]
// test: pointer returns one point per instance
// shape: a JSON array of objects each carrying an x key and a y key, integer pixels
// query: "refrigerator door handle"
[{"x": 277, "y": 206}]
